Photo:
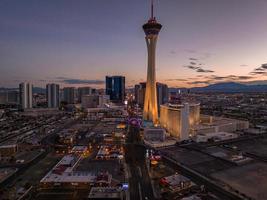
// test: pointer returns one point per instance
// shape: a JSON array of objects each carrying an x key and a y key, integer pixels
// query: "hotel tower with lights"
[{"x": 151, "y": 29}]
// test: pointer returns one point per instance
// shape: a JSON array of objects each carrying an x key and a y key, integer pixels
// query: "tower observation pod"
[{"x": 151, "y": 29}]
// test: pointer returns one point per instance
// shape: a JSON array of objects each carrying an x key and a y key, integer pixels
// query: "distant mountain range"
[{"x": 227, "y": 87}]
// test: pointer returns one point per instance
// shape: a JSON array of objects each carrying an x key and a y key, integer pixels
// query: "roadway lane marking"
[
  {"x": 140, "y": 192},
  {"x": 140, "y": 172},
  {"x": 127, "y": 171}
]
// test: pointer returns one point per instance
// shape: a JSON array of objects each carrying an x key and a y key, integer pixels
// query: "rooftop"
[
  {"x": 175, "y": 179},
  {"x": 105, "y": 192}
]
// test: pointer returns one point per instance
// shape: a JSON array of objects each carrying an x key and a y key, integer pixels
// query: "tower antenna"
[{"x": 152, "y": 9}]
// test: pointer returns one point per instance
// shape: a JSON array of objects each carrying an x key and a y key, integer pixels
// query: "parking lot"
[
  {"x": 255, "y": 146},
  {"x": 245, "y": 178}
]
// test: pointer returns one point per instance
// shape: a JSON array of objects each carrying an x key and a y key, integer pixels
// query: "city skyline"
[
  {"x": 201, "y": 42},
  {"x": 133, "y": 100}
]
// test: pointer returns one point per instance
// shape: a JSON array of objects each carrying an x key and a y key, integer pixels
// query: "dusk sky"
[{"x": 78, "y": 42}]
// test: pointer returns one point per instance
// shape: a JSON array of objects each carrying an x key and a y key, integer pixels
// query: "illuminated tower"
[{"x": 151, "y": 28}]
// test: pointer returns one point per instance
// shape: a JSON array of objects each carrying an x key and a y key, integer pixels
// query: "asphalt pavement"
[{"x": 139, "y": 181}]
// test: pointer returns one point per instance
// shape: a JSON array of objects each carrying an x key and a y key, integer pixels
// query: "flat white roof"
[
  {"x": 193, "y": 197},
  {"x": 215, "y": 134},
  {"x": 175, "y": 179},
  {"x": 68, "y": 178},
  {"x": 8, "y": 146},
  {"x": 66, "y": 160}
]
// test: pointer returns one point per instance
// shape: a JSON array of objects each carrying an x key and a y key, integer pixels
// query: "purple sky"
[{"x": 80, "y": 41}]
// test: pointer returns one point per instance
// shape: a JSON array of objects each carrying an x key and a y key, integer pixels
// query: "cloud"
[
  {"x": 194, "y": 59},
  {"x": 264, "y": 66},
  {"x": 204, "y": 70},
  {"x": 243, "y": 65},
  {"x": 228, "y": 78},
  {"x": 79, "y": 81},
  {"x": 172, "y": 52},
  {"x": 214, "y": 77},
  {"x": 258, "y": 73},
  {"x": 199, "y": 54},
  {"x": 198, "y": 69},
  {"x": 262, "y": 70},
  {"x": 194, "y": 64},
  {"x": 191, "y": 67},
  {"x": 207, "y": 55},
  {"x": 190, "y": 51},
  {"x": 199, "y": 82},
  {"x": 244, "y": 77},
  {"x": 176, "y": 79},
  {"x": 259, "y": 69}
]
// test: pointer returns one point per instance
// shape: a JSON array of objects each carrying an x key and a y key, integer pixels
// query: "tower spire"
[{"x": 152, "y": 9}]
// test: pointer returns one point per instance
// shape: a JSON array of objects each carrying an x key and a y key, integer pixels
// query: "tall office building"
[
  {"x": 162, "y": 94},
  {"x": 115, "y": 88},
  {"x": 151, "y": 29},
  {"x": 9, "y": 97},
  {"x": 52, "y": 95},
  {"x": 83, "y": 91},
  {"x": 13, "y": 97},
  {"x": 139, "y": 93},
  {"x": 69, "y": 95},
  {"x": 25, "y": 95},
  {"x": 3, "y": 97}
]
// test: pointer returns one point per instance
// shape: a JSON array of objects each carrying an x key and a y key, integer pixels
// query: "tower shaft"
[{"x": 151, "y": 104}]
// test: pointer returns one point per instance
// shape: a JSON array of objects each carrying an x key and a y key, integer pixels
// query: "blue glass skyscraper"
[{"x": 115, "y": 88}]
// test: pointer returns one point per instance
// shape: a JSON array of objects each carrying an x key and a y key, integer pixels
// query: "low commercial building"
[
  {"x": 109, "y": 152},
  {"x": 210, "y": 124},
  {"x": 157, "y": 137},
  {"x": 176, "y": 183},
  {"x": 102, "y": 193},
  {"x": 255, "y": 131},
  {"x": 154, "y": 134},
  {"x": 64, "y": 175},
  {"x": 94, "y": 101},
  {"x": 7, "y": 151},
  {"x": 79, "y": 150},
  {"x": 215, "y": 137}
]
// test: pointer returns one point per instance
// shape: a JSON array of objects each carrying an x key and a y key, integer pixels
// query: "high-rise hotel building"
[
  {"x": 82, "y": 91},
  {"x": 69, "y": 95},
  {"x": 178, "y": 119},
  {"x": 52, "y": 95},
  {"x": 25, "y": 95}
]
